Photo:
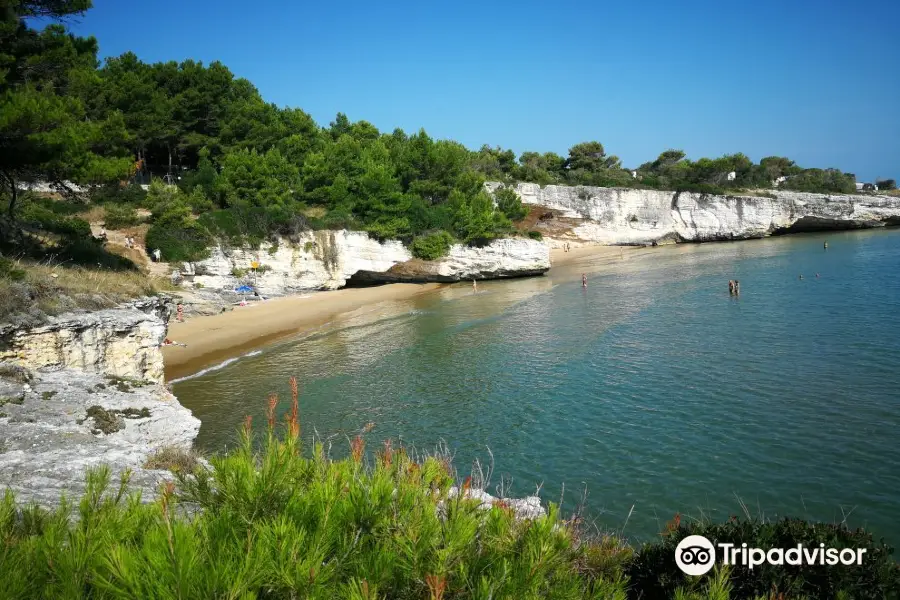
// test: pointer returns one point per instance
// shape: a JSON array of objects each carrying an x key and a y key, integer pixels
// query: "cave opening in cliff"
[{"x": 813, "y": 224}]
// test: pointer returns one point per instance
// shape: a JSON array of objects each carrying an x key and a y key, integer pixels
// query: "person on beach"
[
  {"x": 474, "y": 285},
  {"x": 157, "y": 255},
  {"x": 583, "y": 280}
]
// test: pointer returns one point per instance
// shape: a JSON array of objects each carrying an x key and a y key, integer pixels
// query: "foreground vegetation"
[
  {"x": 268, "y": 521},
  {"x": 246, "y": 169}
]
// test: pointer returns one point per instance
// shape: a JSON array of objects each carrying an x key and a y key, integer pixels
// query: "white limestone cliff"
[
  {"x": 510, "y": 257},
  {"x": 122, "y": 341},
  {"x": 325, "y": 260},
  {"x": 317, "y": 260},
  {"x": 616, "y": 216}
]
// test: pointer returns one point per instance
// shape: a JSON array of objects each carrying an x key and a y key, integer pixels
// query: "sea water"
[{"x": 652, "y": 390}]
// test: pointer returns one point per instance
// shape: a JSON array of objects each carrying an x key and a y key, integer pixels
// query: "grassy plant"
[
  {"x": 174, "y": 458},
  {"x": 38, "y": 289},
  {"x": 120, "y": 216}
]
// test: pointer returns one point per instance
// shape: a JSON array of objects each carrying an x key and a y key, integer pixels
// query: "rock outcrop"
[
  {"x": 511, "y": 257},
  {"x": 316, "y": 260},
  {"x": 51, "y": 431},
  {"x": 614, "y": 216},
  {"x": 325, "y": 260},
  {"x": 122, "y": 341}
]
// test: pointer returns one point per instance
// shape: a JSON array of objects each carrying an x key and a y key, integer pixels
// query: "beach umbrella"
[{"x": 243, "y": 289}]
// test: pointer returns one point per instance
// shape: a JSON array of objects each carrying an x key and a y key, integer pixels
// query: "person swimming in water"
[{"x": 826, "y": 245}]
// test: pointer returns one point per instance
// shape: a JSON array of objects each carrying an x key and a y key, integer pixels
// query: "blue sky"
[{"x": 815, "y": 80}]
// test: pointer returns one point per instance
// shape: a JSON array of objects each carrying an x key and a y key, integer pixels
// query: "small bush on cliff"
[
  {"x": 510, "y": 204},
  {"x": 535, "y": 235},
  {"x": 432, "y": 246}
]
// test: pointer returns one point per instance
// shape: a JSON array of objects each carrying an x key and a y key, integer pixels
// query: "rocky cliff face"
[
  {"x": 324, "y": 260},
  {"x": 626, "y": 216},
  {"x": 513, "y": 257},
  {"x": 122, "y": 341},
  {"x": 56, "y": 424},
  {"x": 318, "y": 260}
]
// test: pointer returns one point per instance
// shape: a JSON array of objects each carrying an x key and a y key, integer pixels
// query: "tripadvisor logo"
[{"x": 696, "y": 555}]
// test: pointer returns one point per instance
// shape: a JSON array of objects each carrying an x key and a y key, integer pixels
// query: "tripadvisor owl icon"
[{"x": 695, "y": 555}]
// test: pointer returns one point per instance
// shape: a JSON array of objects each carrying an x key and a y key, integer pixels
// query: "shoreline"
[{"x": 212, "y": 339}]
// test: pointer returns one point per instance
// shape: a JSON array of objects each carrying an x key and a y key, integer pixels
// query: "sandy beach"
[
  {"x": 558, "y": 257},
  {"x": 212, "y": 339}
]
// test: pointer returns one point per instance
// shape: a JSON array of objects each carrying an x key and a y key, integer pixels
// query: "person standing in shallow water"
[
  {"x": 583, "y": 280},
  {"x": 737, "y": 287},
  {"x": 474, "y": 285},
  {"x": 731, "y": 286}
]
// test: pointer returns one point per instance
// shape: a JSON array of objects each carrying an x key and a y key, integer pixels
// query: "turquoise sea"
[{"x": 652, "y": 390}]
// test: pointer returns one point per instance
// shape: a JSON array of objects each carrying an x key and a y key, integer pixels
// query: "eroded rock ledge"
[
  {"x": 49, "y": 434},
  {"x": 122, "y": 341}
]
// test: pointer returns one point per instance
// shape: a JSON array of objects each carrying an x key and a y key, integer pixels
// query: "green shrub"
[
  {"x": 702, "y": 188},
  {"x": 120, "y": 216},
  {"x": 179, "y": 241},
  {"x": 117, "y": 194},
  {"x": 9, "y": 270},
  {"x": 821, "y": 181},
  {"x": 510, "y": 204},
  {"x": 40, "y": 216},
  {"x": 656, "y": 575},
  {"x": 432, "y": 246},
  {"x": 90, "y": 253},
  {"x": 535, "y": 235}
]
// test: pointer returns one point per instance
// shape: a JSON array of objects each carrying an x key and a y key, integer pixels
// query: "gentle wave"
[{"x": 217, "y": 367}]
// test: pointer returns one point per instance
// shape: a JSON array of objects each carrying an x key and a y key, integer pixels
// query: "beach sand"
[
  {"x": 559, "y": 258},
  {"x": 211, "y": 339}
]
